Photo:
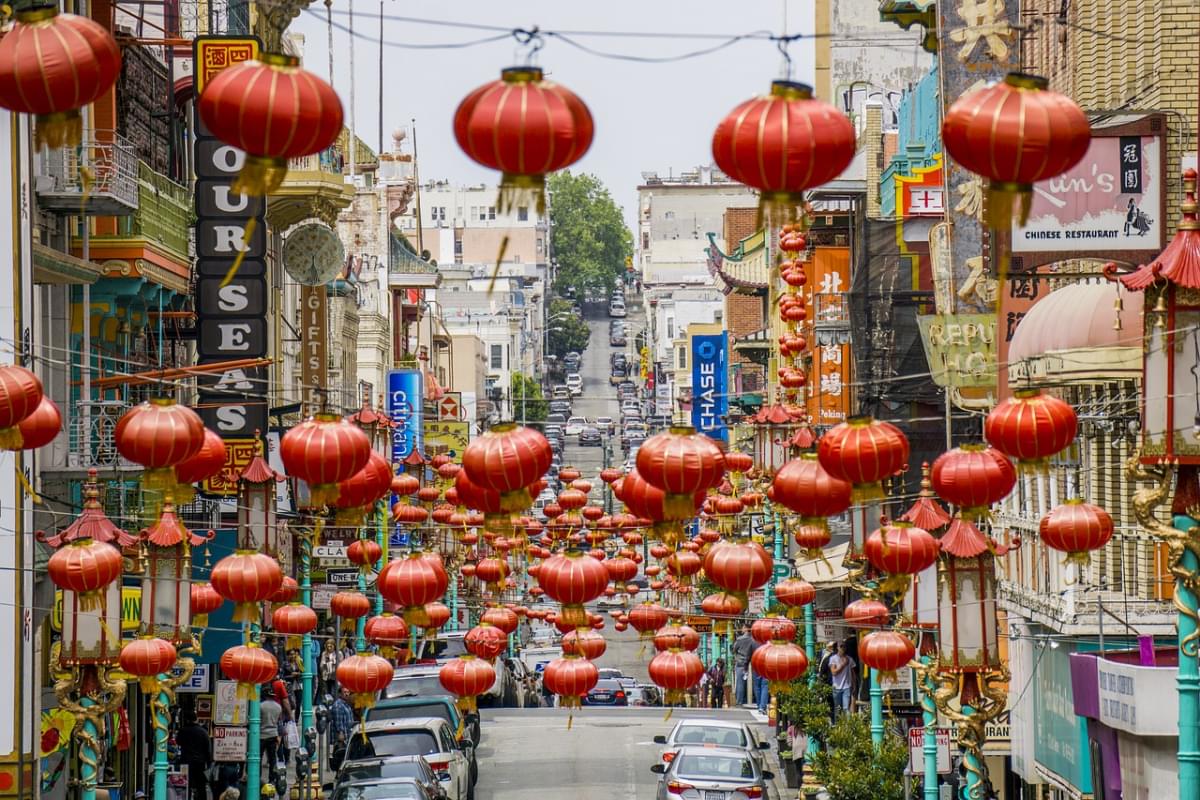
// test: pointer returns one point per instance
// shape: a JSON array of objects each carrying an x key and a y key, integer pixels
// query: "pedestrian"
[
  {"x": 196, "y": 752},
  {"x": 841, "y": 666},
  {"x": 279, "y": 687},
  {"x": 825, "y": 674},
  {"x": 330, "y": 658},
  {"x": 269, "y": 712},
  {"x": 716, "y": 684},
  {"x": 762, "y": 691},
  {"x": 228, "y": 776},
  {"x": 743, "y": 648},
  {"x": 341, "y": 727}
]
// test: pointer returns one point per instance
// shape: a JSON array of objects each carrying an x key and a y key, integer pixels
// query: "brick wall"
[
  {"x": 739, "y": 223},
  {"x": 743, "y": 313}
]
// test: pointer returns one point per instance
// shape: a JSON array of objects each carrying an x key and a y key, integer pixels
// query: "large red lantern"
[
  {"x": 973, "y": 477},
  {"x": 571, "y": 678},
  {"x": 85, "y": 567},
  {"x": 1076, "y": 527},
  {"x": 681, "y": 463},
  {"x": 1015, "y": 133},
  {"x": 146, "y": 658},
  {"x": 525, "y": 127},
  {"x": 42, "y": 426},
  {"x": 205, "y": 463},
  {"x": 411, "y": 583},
  {"x": 273, "y": 110},
  {"x": 584, "y": 642},
  {"x": 53, "y": 64},
  {"x": 722, "y": 607},
  {"x": 573, "y": 579},
  {"x": 250, "y": 666},
  {"x": 365, "y": 675},
  {"x": 766, "y": 629},
  {"x": 784, "y": 143},
  {"x": 886, "y": 651},
  {"x": 739, "y": 567},
  {"x": 683, "y": 564},
  {"x": 324, "y": 451},
  {"x": 292, "y": 620},
  {"x": 780, "y": 663},
  {"x": 387, "y": 631},
  {"x": 646, "y": 618},
  {"x": 364, "y": 553},
  {"x": 901, "y": 550},
  {"x": 349, "y": 605},
  {"x": 1031, "y": 427},
  {"x": 676, "y": 671},
  {"x": 621, "y": 570},
  {"x": 467, "y": 677},
  {"x": 794, "y": 594},
  {"x": 864, "y": 451},
  {"x": 485, "y": 641},
  {"x": 675, "y": 635},
  {"x": 204, "y": 601},
  {"x": 158, "y": 434},
  {"x": 248, "y": 578},
  {"x": 505, "y": 619},
  {"x": 507, "y": 459},
  {"x": 807, "y": 489},
  {"x": 866, "y": 613},
  {"x": 365, "y": 487}
]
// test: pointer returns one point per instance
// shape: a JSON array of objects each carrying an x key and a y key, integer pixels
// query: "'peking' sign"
[{"x": 231, "y": 294}]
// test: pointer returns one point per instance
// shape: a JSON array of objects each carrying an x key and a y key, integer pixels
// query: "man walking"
[
  {"x": 743, "y": 647},
  {"x": 716, "y": 684},
  {"x": 341, "y": 728},
  {"x": 194, "y": 751},
  {"x": 269, "y": 712},
  {"x": 841, "y": 667}
]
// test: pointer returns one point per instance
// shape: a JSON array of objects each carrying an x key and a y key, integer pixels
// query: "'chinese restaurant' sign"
[{"x": 960, "y": 349}]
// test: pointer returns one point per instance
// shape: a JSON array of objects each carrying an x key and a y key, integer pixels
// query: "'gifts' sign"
[{"x": 231, "y": 272}]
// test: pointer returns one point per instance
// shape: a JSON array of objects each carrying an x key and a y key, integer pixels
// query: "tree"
[
  {"x": 567, "y": 331},
  {"x": 850, "y": 767},
  {"x": 528, "y": 403},
  {"x": 587, "y": 234}
]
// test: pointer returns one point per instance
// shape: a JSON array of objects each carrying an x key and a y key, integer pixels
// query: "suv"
[
  {"x": 575, "y": 384},
  {"x": 431, "y": 737},
  {"x": 406, "y": 705},
  {"x": 561, "y": 393}
]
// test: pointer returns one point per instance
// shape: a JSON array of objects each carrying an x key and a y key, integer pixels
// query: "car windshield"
[
  {"x": 374, "y": 770},
  {"x": 432, "y": 708},
  {"x": 710, "y": 734},
  {"x": 415, "y": 686},
  {"x": 381, "y": 744},
  {"x": 609, "y": 685},
  {"x": 714, "y": 766},
  {"x": 379, "y": 791},
  {"x": 442, "y": 648}
]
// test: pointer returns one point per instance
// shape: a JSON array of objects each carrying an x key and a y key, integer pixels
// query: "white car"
[
  {"x": 606, "y": 424},
  {"x": 616, "y": 309},
  {"x": 431, "y": 737},
  {"x": 711, "y": 732},
  {"x": 575, "y": 425},
  {"x": 575, "y": 384}
]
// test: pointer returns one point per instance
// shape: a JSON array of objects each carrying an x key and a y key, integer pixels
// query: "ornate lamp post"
[{"x": 91, "y": 630}]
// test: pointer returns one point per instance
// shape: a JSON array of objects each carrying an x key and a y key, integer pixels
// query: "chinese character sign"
[{"x": 710, "y": 403}]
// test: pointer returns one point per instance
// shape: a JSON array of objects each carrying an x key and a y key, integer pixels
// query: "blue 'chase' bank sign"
[{"x": 710, "y": 401}]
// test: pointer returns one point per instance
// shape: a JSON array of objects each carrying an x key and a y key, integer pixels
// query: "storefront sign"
[
  {"x": 229, "y": 744},
  {"x": 710, "y": 403},
  {"x": 1111, "y": 200},
  {"x": 1060, "y": 736},
  {"x": 449, "y": 408},
  {"x": 228, "y": 708},
  {"x": 916, "y": 750},
  {"x": 198, "y": 682},
  {"x": 405, "y": 398},
  {"x": 446, "y": 438},
  {"x": 231, "y": 283},
  {"x": 314, "y": 337},
  {"x": 131, "y": 610},
  {"x": 960, "y": 348},
  {"x": 1140, "y": 700}
]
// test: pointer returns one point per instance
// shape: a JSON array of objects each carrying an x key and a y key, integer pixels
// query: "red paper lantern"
[
  {"x": 205, "y": 463},
  {"x": 738, "y": 567},
  {"x": 204, "y": 601},
  {"x": 886, "y": 651},
  {"x": 410, "y": 583},
  {"x": 863, "y": 451},
  {"x": 866, "y": 613},
  {"x": 525, "y": 127},
  {"x": 158, "y": 434},
  {"x": 85, "y": 567},
  {"x": 795, "y": 593},
  {"x": 364, "y": 553},
  {"x": 288, "y": 589},
  {"x": 571, "y": 678},
  {"x": 683, "y": 564},
  {"x": 504, "y": 619},
  {"x": 784, "y": 143},
  {"x": 681, "y": 463},
  {"x": 42, "y": 426},
  {"x": 1076, "y": 527},
  {"x": 405, "y": 484},
  {"x": 248, "y": 578},
  {"x": 273, "y": 110},
  {"x": 324, "y": 451},
  {"x": 769, "y": 629},
  {"x": 811, "y": 539},
  {"x": 973, "y": 477},
  {"x": 467, "y": 677},
  {"x": 583, "y": 642},
  {"x": 485, "y": 641},
  {"x": 507, "y": 459},
  {"x": 1031, "y": 427},
  {"x": 676, "y": 671},
  {"x": 365, "y": 487},
  {"x": 807, "y": 489},
  {"x": 621, "y": 570},
  {"x": 780, "y": 663},
  {"x": 365, "y": 675},
  {"x": 53, "y": 64},
  {"x": 146, "y": 658},
  {"x": 294, "y": 619},
  {"x": 349, "y": 605},
  {"x": 722, "y": 607},
  {"x": 646, "y": 618},
  {"x": 492, "y": 571},
  {"x": 436, "y": 615},
  {"x": 387, "y": 631},
  {"x": 250, "y": 666},
  {"x": 1015, "y": 133},
  {"x": 610, "y": 474},
  {"x": 901, "y": 550},
  {"x": 675, "y": 635},
  {"x": 573, "y": 580}
]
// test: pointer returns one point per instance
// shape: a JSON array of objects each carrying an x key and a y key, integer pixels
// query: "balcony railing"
[
  {"x": 831, "y": 318},
  {"x": 99, "y": 177},
  {"x": 92, "y": 427},
  {"x": 164, "y": 212},
  {"x": 328, "y": 160}
]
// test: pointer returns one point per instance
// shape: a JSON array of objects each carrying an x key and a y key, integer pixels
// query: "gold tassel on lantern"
[
  {"x": 60, "y": 129},
  {"x": 260, "y": 176},
  {"x": 247, "y": 612}
]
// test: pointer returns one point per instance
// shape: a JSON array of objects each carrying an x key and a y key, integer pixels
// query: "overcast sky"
[{"x": 649, "y": 117}]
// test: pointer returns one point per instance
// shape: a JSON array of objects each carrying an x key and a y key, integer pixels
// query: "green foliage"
[
  {"x": 527, "y": 401},
  {"x": 808, "y": 706},
  {"x": 567, "y": 332},
  {"x": 587, "y": 234},
  {"x": 850, "y": 767}
]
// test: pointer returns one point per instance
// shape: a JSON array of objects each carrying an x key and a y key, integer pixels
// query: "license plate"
[
  {"x": 609, "y": 697},
  {"x": 715, "y": 795}
]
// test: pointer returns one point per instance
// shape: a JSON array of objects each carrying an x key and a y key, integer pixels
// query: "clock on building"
[{"x": 313, "y": 254}]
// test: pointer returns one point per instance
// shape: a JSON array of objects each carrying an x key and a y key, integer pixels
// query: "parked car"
[
  {"x": 617, "y": 339},
  {"x": 575, "y": 384},
  {"x": 617, "y": 374},
  {"x": 388, "y": 772},
  {"x": 443, "y": 705},
  {"x": 431, "y": 737},
  {"x": 612, "y": 673},
  {"x": 711, "y": 772},
  {"x": 606, "y": 692},
  {"x": 556, "y": 419},
  {"x": 713, "y": 732},
  {"x": 616, "y": 309},
  {"x": 526, "y": 682},
  {"x": 574, "y": 426},
  {"x": 561, "y": 393},
  {"x": 590, "y": 437},
  {"x": 560, "y": 406},
  {"x": 396, "y": 789},
  {"x": 606, "y": 424}
]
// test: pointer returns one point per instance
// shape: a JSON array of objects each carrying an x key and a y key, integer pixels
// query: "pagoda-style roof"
[
  {"x": 169, "y": 531},
  {"x": 1179, "y": 263},
  {"x": 778, "y": 414},
  {"x": 92, "y": 523},
  {"x": 926, "y": 513},
  {"x": 746, "y": 269},
  {"x": 964, "y": 540},
  {"x": 415, "y": 459},
  {"x": 258, "y": 470}
]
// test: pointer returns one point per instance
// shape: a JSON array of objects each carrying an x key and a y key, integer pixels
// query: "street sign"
[
  {"x": 700, "y": 624},
  {"x": 323, "y": 551},
  {"x": 342, "y": 577},
  {"x": 781, "y": 571},
  {"x": 916, "y": 750},
  {"x": 228, "y": 708},
  {"x": 450, "y": 406},
  {"x": 321, "y": 597},
  {"x": 198, "y": 682},
  {"x": 229, "y": 744}
]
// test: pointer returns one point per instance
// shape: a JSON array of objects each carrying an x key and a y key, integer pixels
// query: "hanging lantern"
[
  {"x": 294, "y": 620},
  {"x": 783, "y": 144},
  {"x": 248, "y": 578},
  {"x": 365, "y": 554},
  {"x": 53, "y": 64},
  {"x": 973, "y": 477},
  {"x": 525, "y": 127},
  {"x": 765, "y": 629},
  {"x": 780, "y": 663},
  {"x": 807, "y": 489},
  {"x": 203, "y": 600},
  {"x": 646, "y": 618},
  {"x": 610, "y": 474},
  {"x": 205, "y": 463},
  {"x": 272, "y": 110},
  {"x": 507, "y": 459},
  {"x": 250, "y": 666},
  {"x": 435, "y": 616},
  {"x": 158, "y": 434},
  {"x": 683, "y": 564},
  {"x": 900, "y": 550},
  {"x": 389, "y": 632},
  {"x": 42, "y": 426},
  {"x": 621, "y": 570},
  {"x": 349, "y": 605},
  {"x": 571, "y": 678},
  {"x": 493, "y": 572},
  {"x": 573, "y": 580},
  {"x": 583, "y": 642},
  {"x": 85, "y": 567},
  {"x": 675, "y": 635},
  {"x": 288, "y": 590},
  {"x": 1015, "y": 133},
  {"x": 886, "y": 651},
  {"x": 721, "y": 608},
  {"x": 794, "y": 594},
  {"x": 811, "y": 539},
  {"x": 467, "y": 677},
  {"x": 410, "y": 583},
  {"x": 358, "y": 493},
  {"x": 676, "y": 671},
  {"x": 166, "y": 582},
  {"x": 146, "y": 658},
  {"x": 681, "y": 463},
  {"x": 485, "y": 641},
  {"x": 1076, "y": 528},
  {"x": 324, "y": 451},
  {"x": 365, "y": 675},
  {"x": 866, "y": 613},
  {"x": 1031, "y": 427},
  {"x": 864, "y": 451},
  {"x": 738, "y": 568},
  {"x": 503, "y": 618}
]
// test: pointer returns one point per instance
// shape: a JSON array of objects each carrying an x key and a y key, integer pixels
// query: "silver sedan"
[{"x": 711, "y": 773}]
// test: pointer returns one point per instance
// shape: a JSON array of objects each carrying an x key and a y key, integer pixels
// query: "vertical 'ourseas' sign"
[{"x": 231, "y": 304}]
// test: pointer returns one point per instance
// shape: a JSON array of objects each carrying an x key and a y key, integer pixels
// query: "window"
[
  {"x": 522, "y": 213},
  {"x": 683, "y": 358},
  {"x": 670, "y": 327},
  {"x": 497, "y": 356},
  {"x": 491, "y": 212}
]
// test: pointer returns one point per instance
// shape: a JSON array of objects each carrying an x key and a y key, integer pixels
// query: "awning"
[
  {"x": 54, "y": 266},
  {"x": 827, "y": 572}
]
